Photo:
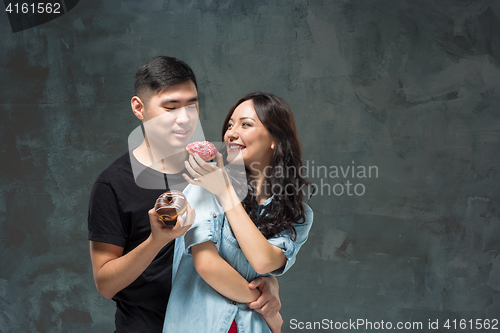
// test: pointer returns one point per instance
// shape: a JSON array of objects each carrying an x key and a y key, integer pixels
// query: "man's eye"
[{"x": 191, "y": 107}]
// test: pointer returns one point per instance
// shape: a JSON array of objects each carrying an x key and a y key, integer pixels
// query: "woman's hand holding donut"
[{"x": 212, "y": 178}]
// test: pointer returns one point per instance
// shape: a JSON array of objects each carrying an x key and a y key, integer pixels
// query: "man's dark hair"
[{"x": 161, "y": 72}]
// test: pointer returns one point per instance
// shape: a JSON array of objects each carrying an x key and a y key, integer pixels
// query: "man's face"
[{"x": 171, "y": 116}]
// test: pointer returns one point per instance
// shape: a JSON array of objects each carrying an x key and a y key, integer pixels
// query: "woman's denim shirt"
[{"x": 193, "y": 305}]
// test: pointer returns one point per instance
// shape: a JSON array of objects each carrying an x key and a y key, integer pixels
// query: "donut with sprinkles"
[{"x": 205, "y": 149}]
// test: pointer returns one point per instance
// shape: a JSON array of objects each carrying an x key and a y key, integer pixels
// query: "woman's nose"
[{"x": 232, "y": 133}]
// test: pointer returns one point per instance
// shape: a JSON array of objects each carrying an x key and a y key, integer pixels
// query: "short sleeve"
[
  {"x": 104, "y": 218},
  {"x": 291, "y": 247},
  {"x": 208, "y": 213},
  {"x": 200, "y": 232}
]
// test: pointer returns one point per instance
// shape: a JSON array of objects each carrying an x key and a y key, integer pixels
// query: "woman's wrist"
[
  {"x": 228, "y": 199},
  {"x": 255, "y": 294}
]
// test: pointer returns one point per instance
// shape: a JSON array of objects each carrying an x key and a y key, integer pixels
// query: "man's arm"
[{"x": 114, "y": 271}]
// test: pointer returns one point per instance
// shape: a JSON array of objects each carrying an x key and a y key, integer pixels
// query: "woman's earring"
[{"x": 272, "y": 145}]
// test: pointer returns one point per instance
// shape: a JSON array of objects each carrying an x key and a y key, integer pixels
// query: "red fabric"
[{"x": 233, "y": 328}]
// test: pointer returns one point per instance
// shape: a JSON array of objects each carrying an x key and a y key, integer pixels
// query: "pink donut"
[{"x": 206, "y": 150}]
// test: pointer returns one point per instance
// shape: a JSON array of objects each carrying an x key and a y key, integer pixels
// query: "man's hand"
[
  {"x": 268, "y": 304},
  {"x": 162, "y": 233},
  {"x": 114, "y": 271}
]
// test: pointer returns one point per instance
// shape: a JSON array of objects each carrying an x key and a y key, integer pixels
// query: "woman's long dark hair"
[{"x": 285, "y": 177}]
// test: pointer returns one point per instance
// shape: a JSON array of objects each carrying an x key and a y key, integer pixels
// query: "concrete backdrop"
[{"x": 411, "y": 88}]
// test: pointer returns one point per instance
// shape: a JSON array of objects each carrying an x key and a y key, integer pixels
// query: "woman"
[{"x": 230, "y": 242}]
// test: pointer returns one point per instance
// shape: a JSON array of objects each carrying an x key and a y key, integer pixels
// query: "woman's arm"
[
  {"x": 220, "y": 275},
  {"x": 262, "y": 255},
  {"x": 226, "y": 280}
]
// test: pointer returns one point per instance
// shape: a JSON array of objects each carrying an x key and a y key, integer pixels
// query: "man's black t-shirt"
[{"x": 118, "y": 215}]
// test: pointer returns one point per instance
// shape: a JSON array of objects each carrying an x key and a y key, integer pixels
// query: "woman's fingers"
[
  {"x": 220, "y": 160},
  {"x": 189, "y": 180},
  {"x": 197, "y": 167},
  {"x": 202, "y": 164},
  {"x": 191, "y": 168}
]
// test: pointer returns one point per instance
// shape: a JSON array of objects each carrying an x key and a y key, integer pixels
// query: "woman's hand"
[{"x": 212, "y": 178}]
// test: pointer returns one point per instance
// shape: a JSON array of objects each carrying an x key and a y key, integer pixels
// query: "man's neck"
[{"x": 170, "y": 162}]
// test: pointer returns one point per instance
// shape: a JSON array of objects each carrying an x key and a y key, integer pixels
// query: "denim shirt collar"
[{"x": 265, "y": 203}]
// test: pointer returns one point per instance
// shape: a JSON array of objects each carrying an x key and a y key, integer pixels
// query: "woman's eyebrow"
[{"x": 242, "y": 118}]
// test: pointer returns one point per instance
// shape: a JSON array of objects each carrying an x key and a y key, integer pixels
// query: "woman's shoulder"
[
  {"x": 303, "y": 225},
  {"x": 307, "y": 207},
  {"x": 308, "y": 213}
]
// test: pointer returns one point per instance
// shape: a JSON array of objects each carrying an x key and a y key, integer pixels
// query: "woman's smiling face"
[{"x": 245, "y": 133}]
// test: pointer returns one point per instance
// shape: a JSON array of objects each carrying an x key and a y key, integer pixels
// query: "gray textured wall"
[{"x": 411, "y": 87}]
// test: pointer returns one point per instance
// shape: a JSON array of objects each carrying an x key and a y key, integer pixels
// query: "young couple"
[{"x": 203, "y": 276}]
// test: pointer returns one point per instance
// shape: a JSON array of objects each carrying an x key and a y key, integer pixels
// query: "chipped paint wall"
[{"x": 409, "y": 88}]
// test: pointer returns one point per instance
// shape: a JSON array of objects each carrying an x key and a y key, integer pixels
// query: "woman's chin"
[{"x": 235, "y": 157}]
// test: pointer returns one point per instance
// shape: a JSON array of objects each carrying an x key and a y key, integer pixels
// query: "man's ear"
[{"x": 137, "y": 107}]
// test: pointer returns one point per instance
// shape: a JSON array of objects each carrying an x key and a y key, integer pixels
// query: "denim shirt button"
[
  {"x": 214, "y": 216},
  {"x": 234, "y": 303}
]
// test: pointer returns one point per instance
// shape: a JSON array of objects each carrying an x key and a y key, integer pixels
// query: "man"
[{"x": 131, "y": 249}]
